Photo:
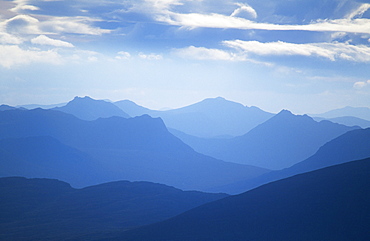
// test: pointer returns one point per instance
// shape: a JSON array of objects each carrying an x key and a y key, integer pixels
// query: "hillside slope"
[{"x": 327, "y": 204}]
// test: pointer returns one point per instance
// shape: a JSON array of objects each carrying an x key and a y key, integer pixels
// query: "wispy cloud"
[
  {"x": 244, "y": 10},
  {"x": 6, "y": 38},
  {"x": 332, "y": 51},
  {"x": 151, "y": 56},
  {"x": 122, "y": 55},
  {"x": 361, "y": 84},
  {"x": 44, "y": 40},
  {"x": 237, "y": 20},
  {"x": 202, "y": 53},
  {"x": 11, "y": 55},
  {"x": 196, "y": 20},
  {"x": 358, "y": 12},
  {"x": 240, "y": 50}
]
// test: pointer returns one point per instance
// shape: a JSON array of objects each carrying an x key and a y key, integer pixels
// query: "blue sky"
[{"x": 308, "y": 56}]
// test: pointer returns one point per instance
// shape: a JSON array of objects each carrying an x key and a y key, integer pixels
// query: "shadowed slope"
[
  {"x": 45, "y": 209},
  {"x": 280, "y": 142},
  {"x": 353, "y": 145},
  {"x": 327, "y": 204}
]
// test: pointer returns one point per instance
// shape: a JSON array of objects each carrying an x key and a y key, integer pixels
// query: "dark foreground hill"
[
  {"x": 135, "y": 149},
  {"x": 46, "y": 209},
  {"x": 328, "y": 204}
]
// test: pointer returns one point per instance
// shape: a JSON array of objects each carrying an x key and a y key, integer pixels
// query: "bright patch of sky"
[{"x": 307, "y": 56}]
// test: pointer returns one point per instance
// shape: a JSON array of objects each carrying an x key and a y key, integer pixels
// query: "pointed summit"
[
  {"x": 87, "y": 108},
  {"x": 280, "y": 142}
]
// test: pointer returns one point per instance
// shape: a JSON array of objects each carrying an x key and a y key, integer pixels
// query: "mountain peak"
[
  {"x": 87, "y": 108},
  {"x": 87, "y": 98},
  {"x": 285, "y": 112}
]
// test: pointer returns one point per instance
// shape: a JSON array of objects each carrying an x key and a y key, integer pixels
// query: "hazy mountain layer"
[
  {"x": 136, "y": 149},
  {"x": 359, "y": 112},
  {"x": 214, "y": 117},
  {"x": 280, "y": 142},
  {"x": 348, "y": 121},
  {"x": 44, "y": 156},
  {"x": 353, "y": 145},
  {"x": 89, "y": 109}
]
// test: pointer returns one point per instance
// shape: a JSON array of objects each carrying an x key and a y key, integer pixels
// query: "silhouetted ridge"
[
  {"x": 45, "y": 209},
  {"x": 279, "y": 142},
  {"x": 87, "y": 108},
  {"x": 212, "y": 117},
  {"x": 359, "y": 112},
  {"x": 139, "y": 148},
  {"x": 327, "y": 204},
  {"x": 352, "y": 145}
]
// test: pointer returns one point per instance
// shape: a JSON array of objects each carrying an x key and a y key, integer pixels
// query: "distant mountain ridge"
[
  {"x": 212, "y": 117},
  {"x": 87, "y": 108},
  {"x": 359, "y": 112},
  {"x": 348, "y": 121},
  {"x": 280, "y": 142},
  {"x": 45, "y": 209}
]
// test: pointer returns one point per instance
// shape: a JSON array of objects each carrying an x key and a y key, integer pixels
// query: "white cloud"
[
  {"x": 150, "y": 56},
  {"x": 361, "y": 84},
  {"x": 6, "y": 38},
  {"x": 77, "y": 25},
  {"x": 22, "y": 5},
  {"x": 11, "y": 55},
  {"x": 358, "y": 12},
  {"x": 213, "y": 20},
  {"x": 332, "y": 51},
  {"x": 202, "y": 53},
  {"x": 44, "y": 40},
  {"x": 122, "y": 55},
  {"x": 244, "y": 9},
  {"x": 22, "y": 24},
  {"x": 25, "y": 24}
]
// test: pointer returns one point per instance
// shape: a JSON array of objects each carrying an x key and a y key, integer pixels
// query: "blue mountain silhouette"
[
  {"x": 326, "y": 204},
  {"x": 353, "y": 145},
  {"x": 280, "y": 142},
  {"x": 213, "y": 117},
  {"x": 45, "y": 209},
  {"x": 87, "y": 108},
  {"x": 139, "y": 148}
]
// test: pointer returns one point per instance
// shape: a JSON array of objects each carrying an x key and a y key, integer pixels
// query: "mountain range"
[
  {"x": 213, "y": 117},
  {"x": 327, "y": 204},
  {"x": 358, "y": 112},
  {"x": 120, "y": 168},
  {"x": 48, "y": 209},
  {"x": 353, "y": 145},
  {"x": 278, "y": 143},
  {"x": 135, "y": 149},
  {"x": 347, "y": 120}
]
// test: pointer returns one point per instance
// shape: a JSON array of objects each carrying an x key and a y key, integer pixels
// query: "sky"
[{"x": 307, "y": 56}]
